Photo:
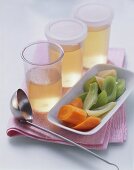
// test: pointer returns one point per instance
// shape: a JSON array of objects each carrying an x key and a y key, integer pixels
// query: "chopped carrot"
[
  {"x": 77, "y": 102},
  {"x": 71, "y": 114},
  {"x": 88, "y": 124}
]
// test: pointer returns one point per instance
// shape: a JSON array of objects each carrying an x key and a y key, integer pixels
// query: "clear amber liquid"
[
  {"x": 71, "y": 66},
  {"x": 44, "y": 88},
  {"x": 96, "y": 47}
]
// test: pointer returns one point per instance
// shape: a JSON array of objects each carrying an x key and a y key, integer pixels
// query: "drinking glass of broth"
[
  {"x": 43, "y": 74},
  {"x": 98, "y": 19},
  {"x": 70, "y": 34}
]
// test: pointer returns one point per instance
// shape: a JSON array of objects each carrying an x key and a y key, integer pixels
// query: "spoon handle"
[{"x": 72, "y": 142}]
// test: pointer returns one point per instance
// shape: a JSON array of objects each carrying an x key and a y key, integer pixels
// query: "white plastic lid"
[
  {"x": 66, "y": 31},
  {"x": 94, "y": 15}
]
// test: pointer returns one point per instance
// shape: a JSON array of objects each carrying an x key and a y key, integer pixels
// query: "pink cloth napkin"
[{"x": 114, "y": 131}]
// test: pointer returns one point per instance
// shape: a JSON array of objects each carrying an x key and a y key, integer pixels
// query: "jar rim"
[
  {"x": 94, "y": 15},
  {"x": 66, "y": 31}
]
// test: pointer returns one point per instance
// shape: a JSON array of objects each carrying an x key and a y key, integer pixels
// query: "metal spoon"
[{"x": 21, "y": 109}]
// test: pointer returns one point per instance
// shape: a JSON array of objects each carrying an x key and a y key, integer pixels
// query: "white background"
[{"x": 22, "y": 22}]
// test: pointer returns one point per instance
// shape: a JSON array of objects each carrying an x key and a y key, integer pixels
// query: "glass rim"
[{"x": 42, "y": 42}]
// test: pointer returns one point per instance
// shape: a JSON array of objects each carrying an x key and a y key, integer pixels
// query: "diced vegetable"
[
  {"x": 102, "y": 100},
  {"x": 106, "y": 73},
  {"x": 110, "y": 87},
  {"x": 88, "y": 124},
  {"x": 71, "y": 114},
  {"x": 77, "y": 102},
  {"x": 91, "y": 97},
  {"x": 101, "y": 110},
  {"x": 121, "y": 86},
  {"x": 87, "y": 84},
  {"x": 100, "y": 81}
]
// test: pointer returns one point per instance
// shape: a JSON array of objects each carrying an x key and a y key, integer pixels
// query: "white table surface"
[{"x": 22, "y": 22}]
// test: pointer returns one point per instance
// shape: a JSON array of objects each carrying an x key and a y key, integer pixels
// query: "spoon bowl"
[{"x": 20, "y": 106}]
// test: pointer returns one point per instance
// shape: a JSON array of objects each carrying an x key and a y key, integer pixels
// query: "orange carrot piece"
[
  {"x": 77, "y": 102},
  {"x": 88, "y": 124},
  {"x": 71, "y": 114}
]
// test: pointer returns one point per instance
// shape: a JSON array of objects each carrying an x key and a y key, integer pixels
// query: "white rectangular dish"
[{"x": 78, "y": 89}]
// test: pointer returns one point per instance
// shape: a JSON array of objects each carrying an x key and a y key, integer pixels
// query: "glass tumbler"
[
  {"x": 98, "y": 19},
  {"x": 43, "y": 74},
  {"x": 70, "y": 34}
]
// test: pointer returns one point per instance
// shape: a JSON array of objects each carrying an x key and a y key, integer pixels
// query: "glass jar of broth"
[
  {"x": 98, "y": 19},
  {"x": 70, "y": 34}
]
